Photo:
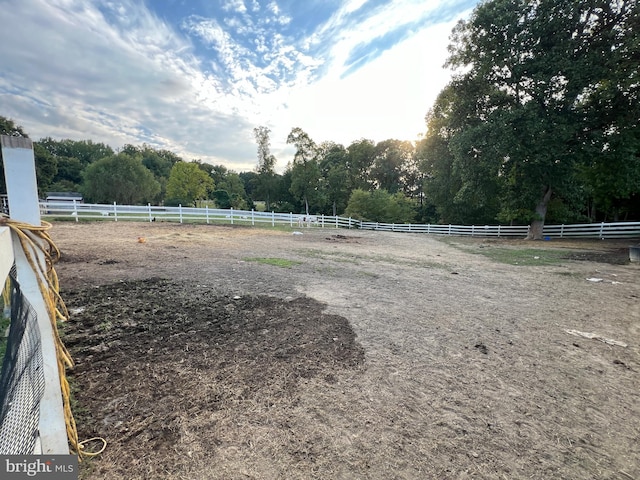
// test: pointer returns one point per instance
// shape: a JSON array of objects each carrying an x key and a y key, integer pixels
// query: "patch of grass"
[
  {"x": 105, "y": 326},
  {"x": 334, "y": 256},
  {"x": 359, "y": 259},
  {"x": 4, "y": 323},
  {"x": 278, "y": 262},
  {"x": 522, "y": 256}
]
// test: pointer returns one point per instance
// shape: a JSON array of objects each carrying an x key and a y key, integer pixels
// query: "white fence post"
[
  {"x": 273, "y": 219},
  {"x": 601, "y": 230},
  {"x": 253, "y": 221},
  {"x": 231, "y": 209},
  {"x": 115, "y": 211},
  {"x": 75, "y": 209},
  {"x": 180, "y": 211},
  {"x": 149, "y": 209},
  {"x": 206, "y": 209},
  {"x": 561, "y": 230}
]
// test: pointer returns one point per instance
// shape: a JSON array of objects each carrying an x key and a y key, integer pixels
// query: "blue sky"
[{"x": 196, "y": 76}]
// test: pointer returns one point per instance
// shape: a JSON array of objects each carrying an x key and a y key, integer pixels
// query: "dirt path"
[{"x": 375, "y": 355}]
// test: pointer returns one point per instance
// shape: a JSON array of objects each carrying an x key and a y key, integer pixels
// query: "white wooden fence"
[{"x": 150, "y": 213}]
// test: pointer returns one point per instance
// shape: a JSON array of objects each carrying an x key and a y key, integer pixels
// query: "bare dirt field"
[{"x": 211, "y": 352}]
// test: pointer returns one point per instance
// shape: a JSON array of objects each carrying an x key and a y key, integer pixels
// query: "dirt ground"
[{"x": 369, "y": 355}]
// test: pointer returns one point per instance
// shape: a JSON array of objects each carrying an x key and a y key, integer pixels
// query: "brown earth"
[{"x": 369, "y": 356}]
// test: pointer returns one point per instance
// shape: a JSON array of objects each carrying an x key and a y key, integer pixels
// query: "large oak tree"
[{"x": 546, "y": 80}]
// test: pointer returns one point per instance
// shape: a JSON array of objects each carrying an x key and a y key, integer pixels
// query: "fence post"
[
  {"x": 231, "y": 209},
  {"x": 253, "y": 222},
  {"x": 349, "y": 223},
  {"x": 273, "y": 219},
  {"x": 602, "y": 231},
  {"x": 498, "y": 230},
  {"x": 115, "y": 211},
  {"x": 561, "y": 230},
  {"x": 22, "y": 195},
  {"x": 473, "y": 230},
  {"x": 75, "y": 209},
  {"x": 449, "y": 230},
  {"x": 149, "y": 210},
  {"x": 291, "y": 219},
  {"x": 180, "y": 211}
]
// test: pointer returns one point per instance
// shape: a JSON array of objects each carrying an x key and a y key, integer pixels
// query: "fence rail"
[{"x": 150, "y": 213}]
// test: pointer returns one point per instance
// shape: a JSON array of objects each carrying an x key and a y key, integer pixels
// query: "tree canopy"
[
  {"x": 543, "y": 99},
  {"x": 266, "y": 181},
  {"x": 120, "y": 178},
  {"x": 188, "y": 183}
]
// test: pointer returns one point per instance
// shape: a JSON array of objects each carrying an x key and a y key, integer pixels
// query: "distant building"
[{"x": 70, "y": 197}]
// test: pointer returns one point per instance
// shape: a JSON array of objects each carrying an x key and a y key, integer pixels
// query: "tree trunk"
[
  {"x": 306, "y": 205},
  {"x": 535, "y": 229},
  {"x": 335, "y": 209}
]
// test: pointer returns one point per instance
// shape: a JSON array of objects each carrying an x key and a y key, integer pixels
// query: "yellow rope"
[
  {"x": 34, "y": 239},
  {"x": 6, "y": 293}
]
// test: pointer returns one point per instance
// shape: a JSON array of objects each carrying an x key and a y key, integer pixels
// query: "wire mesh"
[{"x": 22, "y": 377}]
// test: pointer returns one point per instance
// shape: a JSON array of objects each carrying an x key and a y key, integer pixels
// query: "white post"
[
  {"x": 149, "y": 209},
  {"x": 115, "y": 211},
  {"x": 273, "y": 219},
  {"x": 231, "y": 215},
  {"x": 180, "y": 210},
  {"x": 291, "y": 219},
  {"x": 206, "y": 211},
  {"x": 253, "y": 222},
  {"x": 22, "y": 190},
  {"x": 75, "y": 209}
]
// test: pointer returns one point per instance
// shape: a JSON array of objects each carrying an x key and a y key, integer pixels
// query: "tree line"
[{"x": 540, "y": 122}]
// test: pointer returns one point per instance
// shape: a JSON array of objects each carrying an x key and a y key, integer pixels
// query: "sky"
[{"x": 197, "y": 76}]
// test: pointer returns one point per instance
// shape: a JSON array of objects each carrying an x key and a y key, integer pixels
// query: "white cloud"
[
  {"x": 86, "y": 78},
  {"x": 234, "y": 6}
]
